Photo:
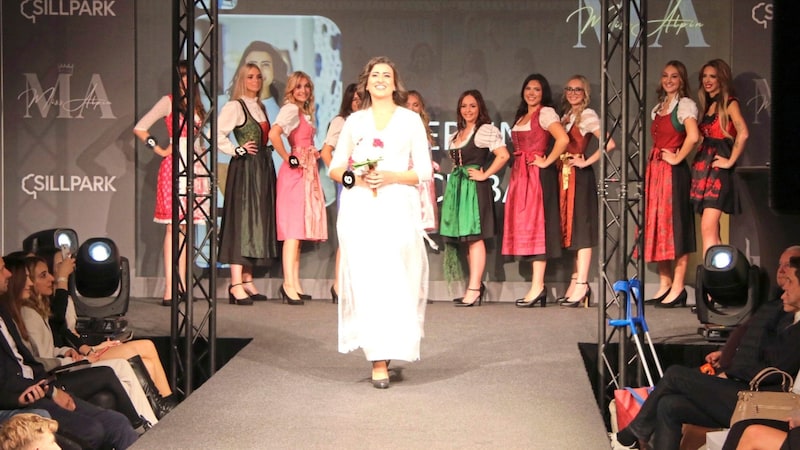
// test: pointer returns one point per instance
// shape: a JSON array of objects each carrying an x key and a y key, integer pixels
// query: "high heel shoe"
[
  {"x": 381, "y": 383},
  {"x": 680, "y": 300},
  {"x": 564, "y": 297},
  {"x": 238, "y": 301},
  {"x": 286, "y": 299},
  {"x": 479, "y": 300},
  {"x": 585, "y": 300},
  {"x": 304, "y": 296},
  {"x": 334, "y": 296},
  {"x": 542, "y": 297},
  {"x": 657, "y": 299},
  {"x": 257, "y": 297}
]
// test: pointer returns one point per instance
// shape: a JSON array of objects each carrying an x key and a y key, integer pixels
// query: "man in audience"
[
  {"x": 687, "y": 396},
  {"x": 23, "y": 384},
  {"x": 27, "y": 431}
]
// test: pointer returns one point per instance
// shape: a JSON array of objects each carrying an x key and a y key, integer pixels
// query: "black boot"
[{"x": 161, "y": 406}]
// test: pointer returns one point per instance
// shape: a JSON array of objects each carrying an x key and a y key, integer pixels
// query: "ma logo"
[{"x": 59, "y": 95}]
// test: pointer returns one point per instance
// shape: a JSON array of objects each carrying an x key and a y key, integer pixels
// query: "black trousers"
[
  {"x": 91, "y": 426},
  {"x": 86, "y": 383},
  {"x": 684, "y": 395}
]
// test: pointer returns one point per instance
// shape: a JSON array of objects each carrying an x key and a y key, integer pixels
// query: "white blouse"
[
  {"x": 289, "y": 118},
  {"x": 686, "y": 108},
  {"x": 487, "y": 136},
  {"x": 231, "y": 116},
  {"x": 333, "y": 131},
  {"x": 590, "y": 122}
]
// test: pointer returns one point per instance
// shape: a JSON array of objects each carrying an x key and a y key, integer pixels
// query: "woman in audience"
[
  {"x": 669, "y": 219},
  {"x": 578, "y": 187},
  {"x": 765, "y": 434},
  {"x": 467, "y": 214},
  {"x": 84, "y": 383},
  {"x": 350, "y": 102},
  {"x": 64, "y": 319},
  {"x": 532, "y": 226},
  {"x": 35, "y": 315},
  {"x": 300, "y": 212},
  {"x": 724, "y": 133},
  {"x": 247, "y": 235}
]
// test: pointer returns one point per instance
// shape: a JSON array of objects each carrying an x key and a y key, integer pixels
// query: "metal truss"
[
  {"x": 621, "y": 190},
  {"x": 194, "y": 195}
]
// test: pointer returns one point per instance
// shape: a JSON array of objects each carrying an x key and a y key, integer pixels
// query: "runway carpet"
[{"x": 490, "y": 377}]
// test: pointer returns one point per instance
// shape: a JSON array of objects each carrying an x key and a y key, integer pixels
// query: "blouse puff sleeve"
[
  {"x": 161, "y": 109},
  {"x": 288, "y": 118},
  {"x": 334, "y": 129},
  {"x": 686, "y": 108},
  {"x": 489, "y": 136},
  {"x": 229, "y": 118}
]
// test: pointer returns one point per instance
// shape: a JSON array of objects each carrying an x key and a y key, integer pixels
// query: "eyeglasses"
[{"x": 573, "y": 89}]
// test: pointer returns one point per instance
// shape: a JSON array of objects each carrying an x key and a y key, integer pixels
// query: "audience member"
[{"x": 28, "y": 431}]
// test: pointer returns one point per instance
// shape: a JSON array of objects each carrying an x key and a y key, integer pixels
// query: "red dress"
[
  {"x": 532, "y": 226},
  {"x": 669, "y": 219},
  {"x": 713, "y": 187},
  {"x": 577, "y": 192}
]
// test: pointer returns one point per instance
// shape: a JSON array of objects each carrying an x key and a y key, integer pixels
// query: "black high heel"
[
  {"x": 479, "y": 300},
  {"x": 658, "y": 299},
  {"x": 334, "y": 296},
  {"x": 583, "y": 300},
  {"x": 256, "y": 297},
  {"x": 286, "y": 299},
  {"x": 680, "y": 300},
  {"x": 238, "y": 301},
  {"x": 564, "y": 297},
  {"x": 304, "y": 296},
  {"x": 542, "y": 297}
]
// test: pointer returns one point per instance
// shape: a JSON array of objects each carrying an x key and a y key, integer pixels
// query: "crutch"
[{"x": 632, "y": 290}]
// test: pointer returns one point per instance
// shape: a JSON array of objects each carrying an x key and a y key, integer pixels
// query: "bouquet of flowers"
[{"x": 365, "y": 158}]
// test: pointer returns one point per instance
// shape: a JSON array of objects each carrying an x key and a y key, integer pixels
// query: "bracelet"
[
  {"x": 151, "y": 142},
  {"x": 61, "y": 280}
]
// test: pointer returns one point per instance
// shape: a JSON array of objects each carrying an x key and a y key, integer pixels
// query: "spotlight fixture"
[
  {"x": 54, "y": 238},
  {"x": 729, "y": 289}
]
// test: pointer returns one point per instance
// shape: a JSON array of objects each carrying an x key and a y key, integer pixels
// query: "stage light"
[
  {"x": 55, "y": 238},
  {"x": 97, "y": 268},
  {"x": 729, "y": 289}
]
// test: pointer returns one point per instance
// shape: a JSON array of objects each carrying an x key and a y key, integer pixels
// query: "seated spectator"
[
  {"x": 64, "y": 319},
  {"x": 765, "y": 434},
  {"x": 687, "y": 396},
  {"x": 23, "y": 384},
  {"x": 35, "y": 330},
  {"x": 27, "y": 431}
]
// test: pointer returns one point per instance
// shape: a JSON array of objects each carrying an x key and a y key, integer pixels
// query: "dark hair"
[
  {"x": 183, "y": 70},
  {"x": 483, "y": 111},
  {"x": 547, "y": 95},
  {"x": 11, "y": 301},
  {"x": 280, "y": 70},
  {"x": 347, "y": 100},
  {"x": 683, "y": 90},
  {"x": 794, "y": 263},
  {"x": 726, "y": 92},
  {"x": 398, "y": 96}
]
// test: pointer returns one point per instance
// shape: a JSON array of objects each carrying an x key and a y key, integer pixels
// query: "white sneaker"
[{"x": 615, "y": 445}]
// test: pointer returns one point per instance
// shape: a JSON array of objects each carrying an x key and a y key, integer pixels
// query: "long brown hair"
[
  {"x": 37, "y": 301},
  {"x": 483, "y": 111},
  {"x": 399, "y": 95},
  {"x": 11, "y": 301},
  {"x": 199, "y": 110},
  {"x": 726, "y": 93}
]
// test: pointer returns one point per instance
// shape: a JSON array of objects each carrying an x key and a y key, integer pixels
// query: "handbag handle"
[{"x": 764, "y": 373}]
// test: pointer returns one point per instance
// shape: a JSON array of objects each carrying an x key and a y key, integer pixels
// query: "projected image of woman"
[{"x": 532, "y": 228}]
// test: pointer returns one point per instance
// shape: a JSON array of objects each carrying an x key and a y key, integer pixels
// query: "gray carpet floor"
[{"x": 490, "y": 377}]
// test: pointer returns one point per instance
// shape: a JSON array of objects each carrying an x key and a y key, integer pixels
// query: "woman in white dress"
[{"x": 383, "y": 274}]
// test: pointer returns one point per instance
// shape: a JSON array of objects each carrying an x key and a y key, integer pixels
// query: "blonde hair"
[
  {"x": 577, "y": 111},
  {"x": 423, "y": 114},
  {"x": 37, "y": 301},
  {"x": 308, "y": 107},
  {"x": 239, "y": 90},
  {"x": 24, "y": 429}
]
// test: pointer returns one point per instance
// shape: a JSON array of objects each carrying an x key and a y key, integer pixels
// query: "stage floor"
[{"x": 494, "y": 376}]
